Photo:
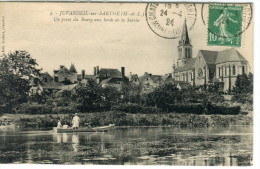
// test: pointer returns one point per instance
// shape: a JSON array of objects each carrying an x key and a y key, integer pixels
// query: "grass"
[{"x": 127, "y": 119}]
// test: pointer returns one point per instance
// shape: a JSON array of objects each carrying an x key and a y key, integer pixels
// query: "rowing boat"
[{"x": 86, "y": 129}]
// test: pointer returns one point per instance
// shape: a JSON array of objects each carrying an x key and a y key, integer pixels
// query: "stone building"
[
  {"x": 221, "y": 67},
  {"x": 63, "y": 74},
  {"x": 149, "y": 81}
]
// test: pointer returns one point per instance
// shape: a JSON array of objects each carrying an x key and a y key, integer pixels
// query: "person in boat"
[
  {"x": 59, "y": 124},
  {"x": 65, "y": 126},
  {"x": 75, "y": 121}
]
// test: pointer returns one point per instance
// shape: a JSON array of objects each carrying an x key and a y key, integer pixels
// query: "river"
[{"x": 232, "y": 146}]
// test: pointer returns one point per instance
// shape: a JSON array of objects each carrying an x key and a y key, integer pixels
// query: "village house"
[
  {"x": 149, "y": 81},
  {"x": 65, "y": 75},
  {"x": 219, "y": 67}
]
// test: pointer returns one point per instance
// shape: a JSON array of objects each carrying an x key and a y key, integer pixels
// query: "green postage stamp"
[{"x": 225, "y": 25}]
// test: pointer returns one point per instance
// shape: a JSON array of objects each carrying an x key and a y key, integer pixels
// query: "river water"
[{"x": 232, "y": 146}]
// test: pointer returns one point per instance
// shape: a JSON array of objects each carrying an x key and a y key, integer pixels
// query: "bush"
[
  {"x": 234, "y": 110},
  {"x": 187, "y": 108},
  {"x": 35, "y": 108},
  {"x": 135, "y": 108}
]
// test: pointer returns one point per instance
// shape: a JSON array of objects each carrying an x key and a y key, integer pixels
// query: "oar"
[{"x": 91, "y": 127}]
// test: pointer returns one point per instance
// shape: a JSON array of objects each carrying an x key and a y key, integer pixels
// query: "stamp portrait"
[{"x": 226, "y": 23}]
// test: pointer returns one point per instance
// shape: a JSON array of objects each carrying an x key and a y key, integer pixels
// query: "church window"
[
  {"x": 200, "y": 72},
  {"x": 243, "y": 69},
  {"x": 234, "y": 70},
  {"x": 225, "y": 71}
]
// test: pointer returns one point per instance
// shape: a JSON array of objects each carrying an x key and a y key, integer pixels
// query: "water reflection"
[
  {"x": 75, "y": 141},
  {"x": 135, "y": 146}
]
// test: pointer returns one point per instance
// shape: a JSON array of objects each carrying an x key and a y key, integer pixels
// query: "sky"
[{"x": 132, "y": 45}]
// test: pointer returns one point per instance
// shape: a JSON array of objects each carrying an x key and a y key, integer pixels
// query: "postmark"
[
  {"x": 166, "y": 19},
  {"x": 226, "y": 23}
]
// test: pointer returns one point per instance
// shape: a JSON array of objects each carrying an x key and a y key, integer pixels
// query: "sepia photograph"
[{"x": 167, "y": 84}]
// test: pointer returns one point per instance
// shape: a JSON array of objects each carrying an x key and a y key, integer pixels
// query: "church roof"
[
  {"x": 188, "y": 66},
  {"x": 229, "y": 55},
  {"x": 209, "y": 56},
  {"x": 105, "y": 72}
]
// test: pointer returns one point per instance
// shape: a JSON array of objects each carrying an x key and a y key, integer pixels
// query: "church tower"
[{"x": 184, "y": 47}]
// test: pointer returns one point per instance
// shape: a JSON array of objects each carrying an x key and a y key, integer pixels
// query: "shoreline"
[{"x": 125, "y": 120}]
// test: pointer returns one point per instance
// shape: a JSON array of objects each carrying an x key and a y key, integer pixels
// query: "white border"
[{"x": 256, "y": 164}]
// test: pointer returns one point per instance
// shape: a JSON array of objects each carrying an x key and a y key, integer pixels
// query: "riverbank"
[{"x": 128, "y": 119}]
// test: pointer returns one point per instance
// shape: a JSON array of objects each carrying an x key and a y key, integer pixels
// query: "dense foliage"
[
  {"x": 17, "y": 70},
  {"x": 243, "y": 90}
]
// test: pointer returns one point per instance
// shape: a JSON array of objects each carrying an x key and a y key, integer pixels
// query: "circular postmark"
[
  {"x": 167, "y": 19},
  {"x": 227, "y": 20}
]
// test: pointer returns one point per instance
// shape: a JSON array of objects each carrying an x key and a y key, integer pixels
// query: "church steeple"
[
  {"x": 185, "y": 47},
  {"x": 185, "y": 35}
]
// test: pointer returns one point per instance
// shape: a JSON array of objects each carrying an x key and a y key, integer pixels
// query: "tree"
[
  {"x": 163, "y": 96},
  {"x": 17, "y": 70},
  {"x": 88, "y": 97},
  {"x": 110, "y": 96},
  {"x": 243, "y": 89},
  {"x": 132, "y": 93}
]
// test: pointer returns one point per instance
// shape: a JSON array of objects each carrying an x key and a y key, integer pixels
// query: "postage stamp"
[
  {"x": 226, "y": 24},
  {"x": 166, "y": 19}
]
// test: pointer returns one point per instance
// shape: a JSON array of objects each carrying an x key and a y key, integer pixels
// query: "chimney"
[
  {"x": 123, "y": 71},
  {"x": 83, "y": 74},
  {"x": 95, "y": 71},
  {"x": 130, "y": 76}
]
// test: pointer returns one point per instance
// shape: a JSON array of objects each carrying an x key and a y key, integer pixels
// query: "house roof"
[
  {"x": 209, "y": 56},
  {"x": 111, "y": 73},
  {"x": 73, "y": 69},
  {"x": 90, "y": 76},
  {"x": 145, "y": 76},
  {"x": 52, "y": 85},
  {"x": 111, "y": 80},
  {"x": 135, "y": 76},
  {"x": 156, "y": 77},
  {"x": 63, "y": 70},
  {"x": 46, "y": 75},
  {"x": 165, "y": 77},
  {"x": 68, "y": 87},
  {"x": 188, "y": 66},
  {"x": 230, "y": 55}
]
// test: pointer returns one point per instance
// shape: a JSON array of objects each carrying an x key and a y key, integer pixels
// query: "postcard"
[{"x": 127, "y": 83}]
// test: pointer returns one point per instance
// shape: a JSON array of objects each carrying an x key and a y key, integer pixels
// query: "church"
[{"x": 221, "y": 67}]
